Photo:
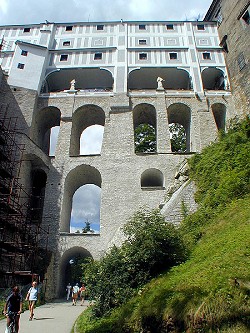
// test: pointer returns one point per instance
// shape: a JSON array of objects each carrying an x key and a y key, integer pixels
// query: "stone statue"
[
  {"x": 159, "y": 82},
  {"x": 72, "y": 84}
]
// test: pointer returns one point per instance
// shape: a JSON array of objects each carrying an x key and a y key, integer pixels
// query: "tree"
[
  {"x": 178, "y": 138},
  {"x": 152, "y": 246},
  {"x": 145, "y": 138},
  {"x": 87, "y": 228}
]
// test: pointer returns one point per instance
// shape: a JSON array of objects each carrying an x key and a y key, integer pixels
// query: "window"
[
  {"x": 241, "y": 61},
  {"x": 64, "y": 57},
  {"x": 246, "y": 16},
  {"x": 170, "y": 27},
  {"x": 67, "y": 43},
  {"x": 98, "y": 56},
  {"x": 100, "y": 27},
  {"x": 200, "y": 27},
  {"x": 206, "y": 56},
  {"x": 142, "y": 42},
  {"x": 172, "y": 55},
  {"x": 26, "y": 30},
  {"x": 69, "y": 28},
  {"x": 143, "y": 56},
  {"x": 20, "y": 66},
  {"x": 24, "y": 53},
  {"x": 142, "y": 27}
]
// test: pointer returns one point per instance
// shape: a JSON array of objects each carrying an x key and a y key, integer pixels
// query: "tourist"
[
  {"x": 68, "y": 290},
  {"x": 75, "y": 292},
  {"x": 32, "y": 297},
  {"x": 82, "y": 293}
]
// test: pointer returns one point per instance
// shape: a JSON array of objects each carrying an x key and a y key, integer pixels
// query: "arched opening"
[
  {"x": 219, "y": 113},
  {"x": 213, "y": 79},
  {"x": 70, "y": 270},
  {"x": 144, "y": 120},
  {"x": 84, "y": 117},
  {"x": 146, "y": 78},
  {"x": 85, "y": 213},
  {"x": 93, "y": 79},
  {"x": 91, "y": 140},
  {"x": 45, "y": 119},
  {"x": 81, "y": 175},
  {"x": 178, "y": 138},
  {"x": 179, "y": 113},
  {"x": 54, "y": 132},
  {"x": 38, "y": 185},
  {"x": 152, "y": 178}
]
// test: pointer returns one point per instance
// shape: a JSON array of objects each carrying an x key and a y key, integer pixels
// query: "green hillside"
[{"x": 209, "y": 291}]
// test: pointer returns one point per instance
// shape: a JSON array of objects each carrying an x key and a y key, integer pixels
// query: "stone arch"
[
  {"x": 213, "y": 79},
  {"x": 180, "y": 113},
  {"x": 64, "y": 265},
  {"x": 34, "y": 181},
  {"x": 152, "y": 178},
  {"x": 45, "y": 119},
  {"x": 146, "y": 78},
  {"x": 145, "y": 113},
  {"x": 219, "y": 113},
  {"x": 83, "y": 117},
  {"x": 86, "y": 79},
  {"x": 38, "y": 181},
  {"x": 81, "y": 175}
]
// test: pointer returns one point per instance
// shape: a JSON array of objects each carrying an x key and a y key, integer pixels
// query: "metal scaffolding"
[{"x": 21, "y": 253}]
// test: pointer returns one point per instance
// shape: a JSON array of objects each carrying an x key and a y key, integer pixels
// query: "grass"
[
  {"x": 200, "y": 294},
  {"x": 210, "y": 292}
]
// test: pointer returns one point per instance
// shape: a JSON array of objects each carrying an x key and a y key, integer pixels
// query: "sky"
[
  {"x": 86, "y": 201},
  {"x": 30, "y": 11}
]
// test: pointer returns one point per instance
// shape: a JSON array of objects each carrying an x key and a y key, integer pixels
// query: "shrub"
[{"x": 151, "y": 247}]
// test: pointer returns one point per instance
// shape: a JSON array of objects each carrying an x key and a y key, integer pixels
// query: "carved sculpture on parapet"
[{"x": 159, "y": 83}]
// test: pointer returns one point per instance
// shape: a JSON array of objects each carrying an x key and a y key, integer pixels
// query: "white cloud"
[
  {"x": 28, "y": 11},
  {"x": 91, "y": 140},
  {"x": 86, "y": 206}
]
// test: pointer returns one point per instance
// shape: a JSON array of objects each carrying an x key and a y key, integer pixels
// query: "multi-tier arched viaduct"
[{"x": 127, "y": 179}]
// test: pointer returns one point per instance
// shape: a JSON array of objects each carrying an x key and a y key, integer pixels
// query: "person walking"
[
  {"x": 68, "y": 290},
  {"x": 32, "y": 297},
  {"x": 13, "y": 308},
  {"x": 82, "y": 293},
  {"x": 75, "y": 292}
]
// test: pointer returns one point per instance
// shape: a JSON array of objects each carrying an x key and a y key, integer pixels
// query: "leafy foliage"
[
  {"x": 151, "y": 247},
  {"x": 221, "y": 173},
  {"x": 178, "y": 138},
  {"x": 145, "y": 139}
]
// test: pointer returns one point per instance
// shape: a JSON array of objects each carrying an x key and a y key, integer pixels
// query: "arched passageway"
[
  {"x": 84, "y": 117},
  {"x": 179, "y": 113},
  {"x": 45, "y": 119},
  {"x": 81, "y": 175},
  {"x": 146, "y": 78},
  {"x": 213, "y": 79},
  {"x": 91, "y": 140},
  {"x": 69, "y": 268},
  {"x": 85, "y": 79},
  {"x": 144, "y": 120},
  {"x": 85, "y": 213}
]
